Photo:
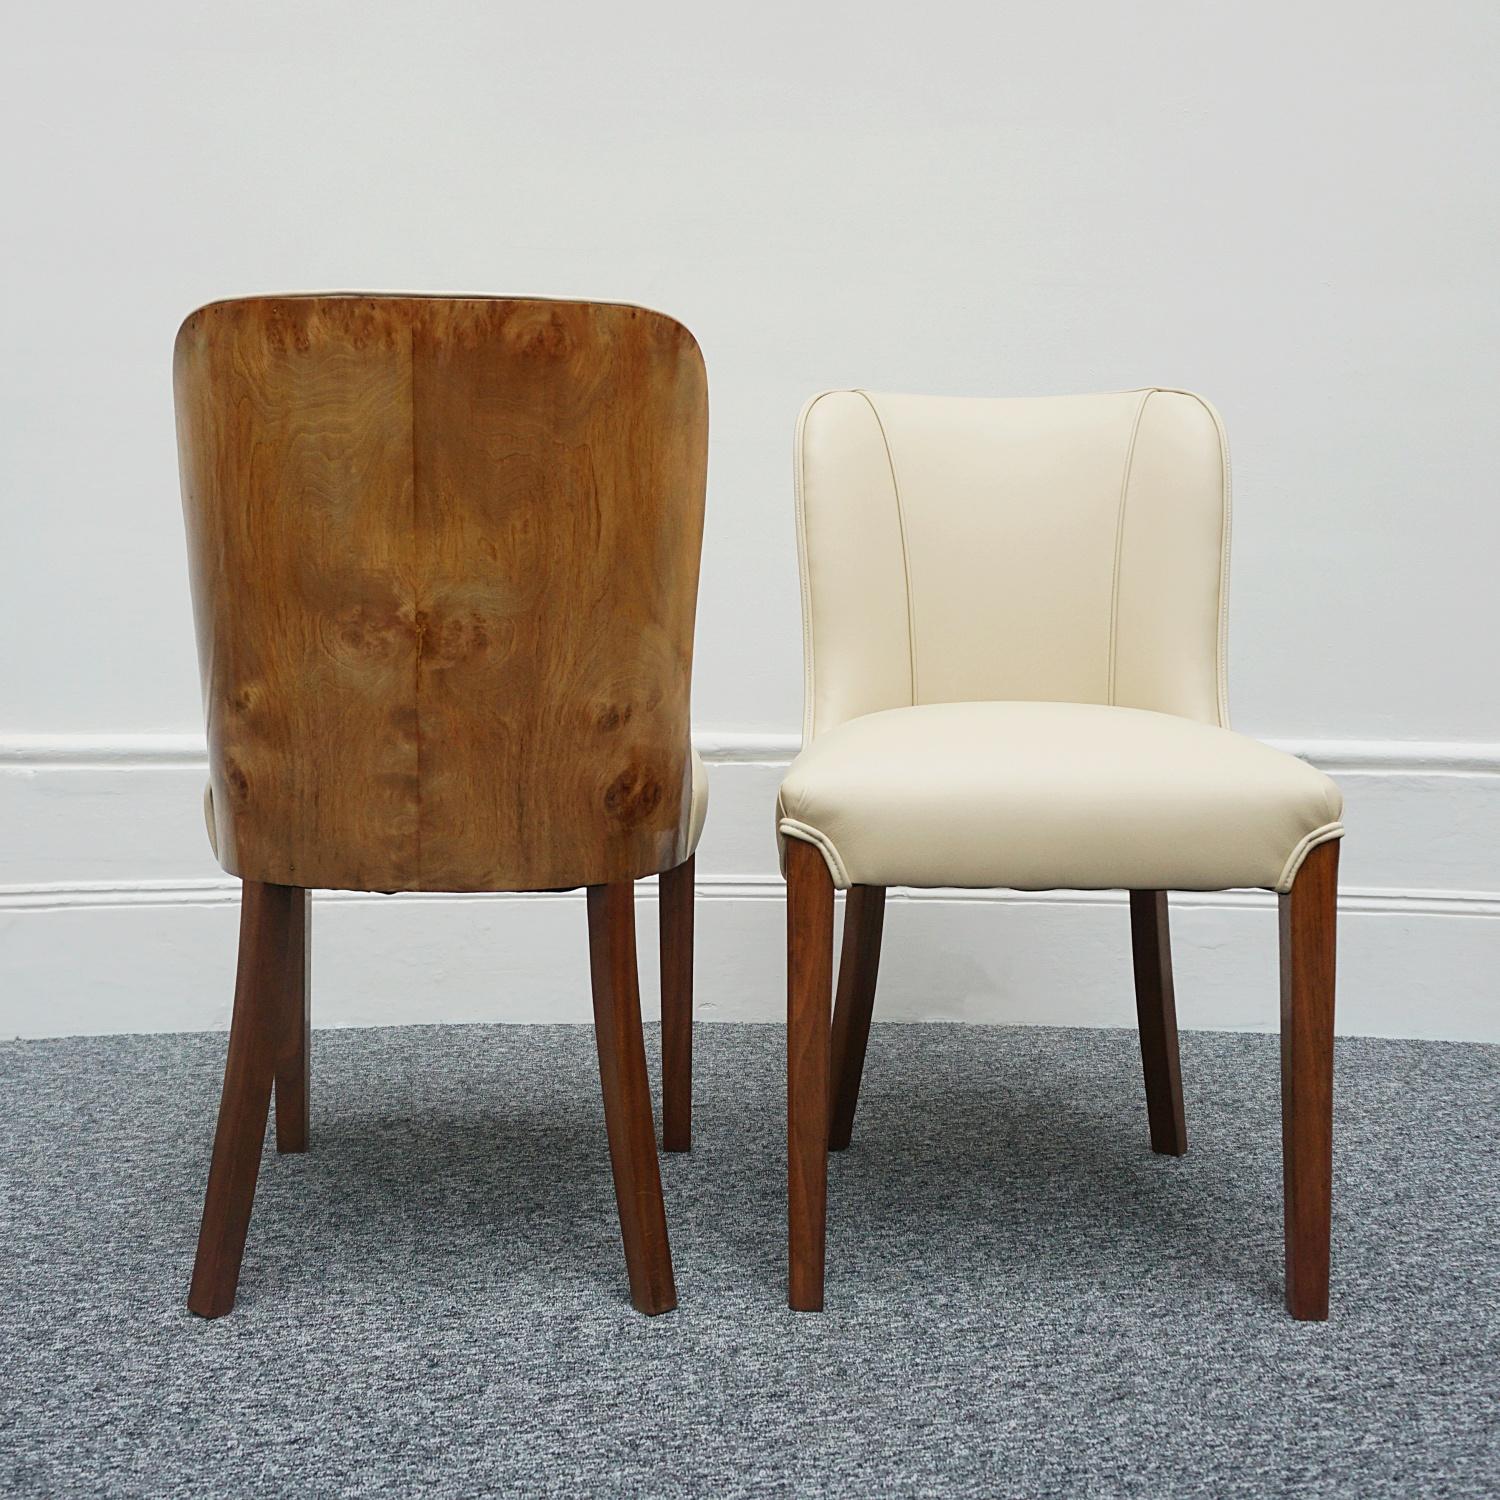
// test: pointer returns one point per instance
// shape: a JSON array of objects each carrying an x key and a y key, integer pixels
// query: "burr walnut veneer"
[{"x": 444, "y": 556}]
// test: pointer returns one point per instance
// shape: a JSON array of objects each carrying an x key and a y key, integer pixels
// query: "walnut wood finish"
[
  {"x": 1308, "y": 942},
  {"x": 859, "y": 963},
  {"x": 294, "y": 1037},
  {"x": 627, "y": 1097},
  {"x": 1156, "y": 1010},
  {"x": 444, "y": 557},
  {"x": 262, "y": 1008},
  {"x": 676, "y": 902},
  {"x": 1309, "y": 915},
  {"x": 809, "y": 895}
]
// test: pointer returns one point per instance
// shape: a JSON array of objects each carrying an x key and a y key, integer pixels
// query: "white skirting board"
[{"x": 114, "y": 918}]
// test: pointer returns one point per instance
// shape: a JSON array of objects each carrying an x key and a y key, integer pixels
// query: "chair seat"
[
  {"x": 1043, "y": 796},
  {"x": 695, "y": 826}
]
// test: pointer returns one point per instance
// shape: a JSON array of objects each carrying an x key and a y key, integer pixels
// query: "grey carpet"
[{"x": 1022, "y": 1299}]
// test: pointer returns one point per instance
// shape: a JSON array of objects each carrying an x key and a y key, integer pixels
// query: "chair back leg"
[
  {"x": 627, "y": 1096},
  {"x": 677, "y": 1007},
  {"x": 1156, "y": 1011},
  {"x": 294, "y": 1040},
  {"x": 261, "y": 1008},
  {"x": 859, "y": 963}
]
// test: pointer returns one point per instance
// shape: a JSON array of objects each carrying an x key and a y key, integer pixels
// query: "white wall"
[{"x": 1291, "y": 207}]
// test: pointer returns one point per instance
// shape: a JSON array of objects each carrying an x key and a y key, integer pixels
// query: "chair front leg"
[
  {"x": 1308, "y": 927},
  {"x": 676, "y": 901},
  {"x": 627, "y": 1096},
  {"x": 260, "y": 1009},
  {"x": 809, "y": 896}
]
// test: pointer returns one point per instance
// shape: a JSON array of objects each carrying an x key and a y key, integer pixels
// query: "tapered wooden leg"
[
  {"x": 1308, "y": 926},
  {"x": 864, "y": 920},
  {"x": 266, "y": 916},
  {"x": 677, "y": 1007},
  {"x": 1156, "y": 1010},
  {"x": 809, "y": 913},
  {"x": 627, "y": 1096},
  {"x": 294, "y": 1042}
]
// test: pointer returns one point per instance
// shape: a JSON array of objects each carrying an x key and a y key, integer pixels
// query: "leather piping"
[
  {"x": 1114, "y": 597},
  {"x": 794, "y": 828},
  {"x": 790, "y": 828},
  {"x": 1324, "y": 835},
  {"x": 911, "y": 617}
]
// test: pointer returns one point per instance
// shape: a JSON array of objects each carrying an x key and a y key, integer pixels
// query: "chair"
[
  {"x": 1014, "y": 617},
  {"x": 444, "y": 558}
]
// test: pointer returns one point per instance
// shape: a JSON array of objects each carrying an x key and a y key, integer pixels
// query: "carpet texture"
[{"x": 1022, "y": 1300}]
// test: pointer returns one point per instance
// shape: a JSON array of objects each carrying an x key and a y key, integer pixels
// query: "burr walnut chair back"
[{"x": 444, "y": 558}]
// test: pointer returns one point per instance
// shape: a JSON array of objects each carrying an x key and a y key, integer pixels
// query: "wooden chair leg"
[
  {"x": 809, "y": 991},
  {"x": 1308, "y": 931},
  {"x": 293, "y": 1045},
  {"x": 266, "y": 919},
  {"x": 859, "y": 962},
  {"x": 1156, "y": 1011},
  {"x": 677, "y": 1007},
  {"x": 627, "y": 1096}
]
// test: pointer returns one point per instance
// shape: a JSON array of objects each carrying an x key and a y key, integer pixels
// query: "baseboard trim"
[
  {"x": 749, "y": 747},
  {"x": 64, "y": 896},
  {"x": 114, "y": 917}
]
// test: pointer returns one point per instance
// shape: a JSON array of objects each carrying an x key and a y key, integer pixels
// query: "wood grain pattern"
[
  {"x": 809, "y": 896},
  {"x": 627, "y": 1097},
  {"x": 266, "y": 918},
  {"x": 859, "y": 964},
  {"x": 677, "y": 888},
  {"x": 1309, "y": 921},
  {"x": 444, "y": 556},
  {"x": 1156, "y": 1012}
]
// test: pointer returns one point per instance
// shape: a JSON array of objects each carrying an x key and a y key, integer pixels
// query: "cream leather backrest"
[{"x": 1068, "y": 549}]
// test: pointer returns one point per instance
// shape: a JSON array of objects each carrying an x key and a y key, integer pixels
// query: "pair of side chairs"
[{"x": 444, "y": 557}]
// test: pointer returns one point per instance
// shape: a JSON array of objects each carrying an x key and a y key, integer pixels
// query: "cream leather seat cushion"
[
  {"x": 695, "y": 827},
  {"x": 1041, "y": 796}
]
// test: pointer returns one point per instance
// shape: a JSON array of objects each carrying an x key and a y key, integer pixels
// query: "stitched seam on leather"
[
  {"x": 792, "y": 829},
  {"x": 1326, "y": 834},
  {"x": 1221, "y": 662},
  {"x": 1114, "y": 598},
  {"x": 799, "y": 504},
  {"x": 1223, "y": 645},
  {"x": 911, "y": 618}
]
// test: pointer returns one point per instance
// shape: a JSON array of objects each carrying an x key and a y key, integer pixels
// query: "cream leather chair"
[{"x": 1014, "y": 619}]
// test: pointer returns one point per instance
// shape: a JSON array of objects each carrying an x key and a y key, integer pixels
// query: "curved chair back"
[
  {"x": 1067, "y": 549},
  {"x": 444, "y": 559}
]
